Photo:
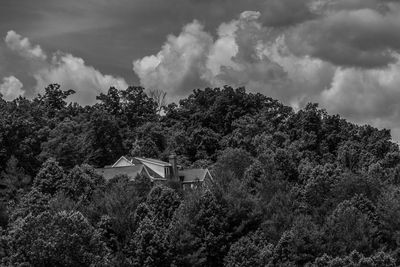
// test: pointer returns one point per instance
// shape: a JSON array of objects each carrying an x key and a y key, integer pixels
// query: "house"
[{"x": 157, "y": 171}]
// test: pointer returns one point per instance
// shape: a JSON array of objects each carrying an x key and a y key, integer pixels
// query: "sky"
[{"x": 342, "y": 54}]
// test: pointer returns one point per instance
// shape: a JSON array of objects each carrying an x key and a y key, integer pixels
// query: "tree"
[
  {"x": 111, "y": 101},
  {"x": 388, "y": 209},
  {"x": 34, "y": 202},
  {"x": 118, "y": 200},
  {"x": 163, "y": 201},
  {"x": 12, "y": 179},
  {"x": 54, "y": 98},
  {"x": 102, "y": 140},
  {"x": 254, "y": 176},
  {"x": 159, "y": 97},
  {"x": 61, "y": 239},
  {"x": 50, "y": 178},
  {"x": 137, "y": 107},
  {"x": 81, "y": 183},
  {"x": 149, "y": 246},
  {"x": 355, "y": 259},
  {"x": 198, "y": 232},
  {"x": 249, "y": 251},
  {"x": 235, "y": 161},
  {"x": 142, "y": 185},
  {"x": 65, "y": 143},
  {"x": 4, "y": 217},
  {"x": 351, "y": 226},
  {"x": 299, "y": 245},
  {"x": 319, "y": 192}
]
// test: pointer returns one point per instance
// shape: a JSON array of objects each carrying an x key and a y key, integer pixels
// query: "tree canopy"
[{"x": 290, "y": 188}]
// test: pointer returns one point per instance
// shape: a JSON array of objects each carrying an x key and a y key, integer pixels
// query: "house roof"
[
  {"x": 193, "y": 175},
  {"x": 139, "y": 165},
  {"x": 133, "y": 160},
  {"x": 152, "y": 173},
  {"x": 131, "y": 171},
  {"x": 154, "y": 161}
]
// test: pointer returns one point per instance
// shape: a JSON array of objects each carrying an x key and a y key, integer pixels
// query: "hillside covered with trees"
[{"x": 290, "y": 188}]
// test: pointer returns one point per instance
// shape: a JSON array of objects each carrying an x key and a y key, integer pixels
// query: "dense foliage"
[{"x": 290, "y": 188}]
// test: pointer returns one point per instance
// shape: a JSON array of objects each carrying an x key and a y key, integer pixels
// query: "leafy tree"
[
  {"x": 34, "y": 202},
  {"x": 65, "y": 143},
  {"x": 299, "y": 245},
  {"x": 50, "y": 178},
  {"x": 4, "y": 217},
  {"x": 111, "y": 101},
  {"x": 24, "y": 126},
  {"x": 12, "y": 179},
  {"x": 163, "y": 201},
  {"x": 279, "y": 207},
  {"x": 81, "y": 183},
  {"x": 54, "y": 98},
  {"x": 61, "y": 239},
  {"x": 250, "y": 250},
  {"x": 319, "y": 192},
  {"x": 118, "y": 201},
  {"x": 145, "y": 148},
  {"x": 102, "y": 142},
  {"x": 149, "y": 246},
  {"x": 351, "y": 226},
  {"x": 243, "y": 210},
  {"x": 138, "y": 108},
  {"x": 388, "y": 209},
  {"x": 198, "y": 232},
  {"x": 234, "y": 160},
  {"x": 356, "y": 259}
]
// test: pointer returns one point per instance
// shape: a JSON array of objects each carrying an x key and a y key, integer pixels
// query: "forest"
[{"x": 291, "y": 188}]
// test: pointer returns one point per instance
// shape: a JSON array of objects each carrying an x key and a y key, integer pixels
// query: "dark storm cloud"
[
  {"x": 362, "y": 38},
  {"x": 286, "y": 12},
  {"x": 274, "y": 13}
]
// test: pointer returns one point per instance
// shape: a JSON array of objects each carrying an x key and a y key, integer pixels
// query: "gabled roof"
[
  {"x": 130, "y": 171},
  {"x": 193, "y": 175},
  {"x": 153, "y": 161},
  {"x": 121, "y": 159}
]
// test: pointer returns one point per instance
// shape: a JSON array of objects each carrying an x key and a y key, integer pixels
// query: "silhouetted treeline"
[{"x": 290, "y": 188}]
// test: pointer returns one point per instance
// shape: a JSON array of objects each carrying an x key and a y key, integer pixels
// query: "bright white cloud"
[
  {"x": 23, "y": 46},
  {"x": 72, "y": 73},
  {"x": 180, "y": 64},
  {"x": 264, "y": 59},
  {"x": 69, "y": 71},
  {"x": 11, "y": 88},
  {"x": 244, "y": 54}
]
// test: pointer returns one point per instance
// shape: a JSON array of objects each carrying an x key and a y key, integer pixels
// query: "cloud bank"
[
  {"x": 11, "y": 88},
  {"x": 343, "y": 54},
  {"x": 23, "y": 46},
  {"x": 69, "y": 71}
]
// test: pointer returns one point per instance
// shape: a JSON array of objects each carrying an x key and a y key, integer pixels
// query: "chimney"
[{"x": 174, "y": 167}]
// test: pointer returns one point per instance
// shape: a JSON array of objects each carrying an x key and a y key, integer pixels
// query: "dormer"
[{"x": 162, "y": 168}]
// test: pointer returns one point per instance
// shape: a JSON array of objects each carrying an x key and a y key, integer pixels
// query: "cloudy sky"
[{"x": 343, "y": 54}]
